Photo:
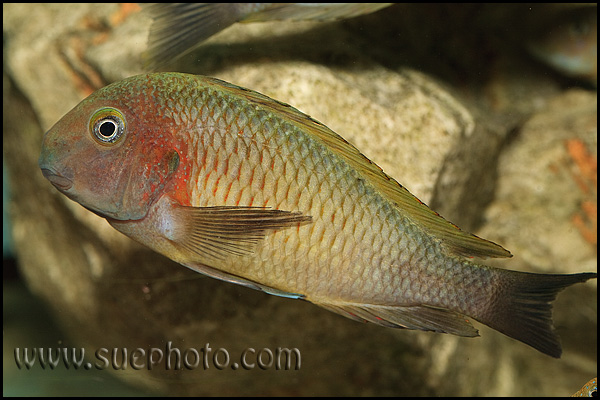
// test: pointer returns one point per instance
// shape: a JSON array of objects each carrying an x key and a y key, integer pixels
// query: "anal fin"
[{"x": 419, "y": 317}]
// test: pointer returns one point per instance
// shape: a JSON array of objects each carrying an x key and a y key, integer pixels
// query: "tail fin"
[{"x": 523, "y": 310}]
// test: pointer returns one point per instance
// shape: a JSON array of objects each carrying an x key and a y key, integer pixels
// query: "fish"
[
  {"x": 590, "y": 389},
  {"x": 177, "y": 28},
  {"x": 569, "y": 43},
  {"x": 246, "y": 189}
]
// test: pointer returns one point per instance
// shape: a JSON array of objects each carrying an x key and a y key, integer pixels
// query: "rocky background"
[{"x": 446, "y": 99}]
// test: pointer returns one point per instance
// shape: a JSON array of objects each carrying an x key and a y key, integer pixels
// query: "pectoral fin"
[{"x": 217, "y": 232}]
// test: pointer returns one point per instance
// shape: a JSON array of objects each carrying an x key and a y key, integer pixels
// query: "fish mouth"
[{"x": 59, "y": 181}]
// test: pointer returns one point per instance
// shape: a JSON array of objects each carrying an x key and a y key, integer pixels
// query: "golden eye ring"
[{"x": 108, "y": 126}]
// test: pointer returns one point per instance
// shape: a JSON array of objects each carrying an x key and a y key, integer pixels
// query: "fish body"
[
  {"x": 243, "y": 188},
  {"x": 569, "y": 43},
  {"x": 179, "y": 27},
  {"x": 590, "y": 389}
]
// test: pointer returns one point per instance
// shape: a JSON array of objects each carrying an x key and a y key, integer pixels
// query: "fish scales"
[
  {"x": 268, "y": 138},
  {"x": 246, "y": 189}
]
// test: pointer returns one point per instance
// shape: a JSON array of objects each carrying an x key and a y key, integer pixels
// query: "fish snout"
[
  {"x": 50, "y": 165},
  {"x": 59, "y": 181}
]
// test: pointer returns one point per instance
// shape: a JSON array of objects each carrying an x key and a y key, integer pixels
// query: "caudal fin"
[{"x": 523, "y": 310}]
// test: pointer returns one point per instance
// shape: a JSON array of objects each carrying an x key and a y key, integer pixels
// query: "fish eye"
[{"x": 107, "y": 125}]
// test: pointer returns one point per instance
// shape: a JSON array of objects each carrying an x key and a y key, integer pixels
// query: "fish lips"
[
  {"x": 53, "y": 168},
  {"x": 66, "y": 186},
  {"x": 63, "y": 184},
  {"x": 60, "y": 182}
]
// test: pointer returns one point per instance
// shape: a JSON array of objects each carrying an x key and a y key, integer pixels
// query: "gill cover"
[{"x": 143, "y": 171}]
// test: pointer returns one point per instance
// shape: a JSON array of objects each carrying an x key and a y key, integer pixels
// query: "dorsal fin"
[{"x": 455, "y": 240}]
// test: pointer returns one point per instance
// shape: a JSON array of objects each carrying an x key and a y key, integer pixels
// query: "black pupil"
[{"x": 107, "y": 128}]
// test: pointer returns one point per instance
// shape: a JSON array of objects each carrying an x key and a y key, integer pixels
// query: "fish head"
[
  {"x": 569, "y": 42},
  {"x": 112, "y": 153}
]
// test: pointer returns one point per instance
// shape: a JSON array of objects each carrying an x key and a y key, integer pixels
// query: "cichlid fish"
[
  {"x": 180, "y": 27},
  {"x": 590, "y": 389},
  {"x": 246, "y": 189},
  {"x": 570, "y": 43}
]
